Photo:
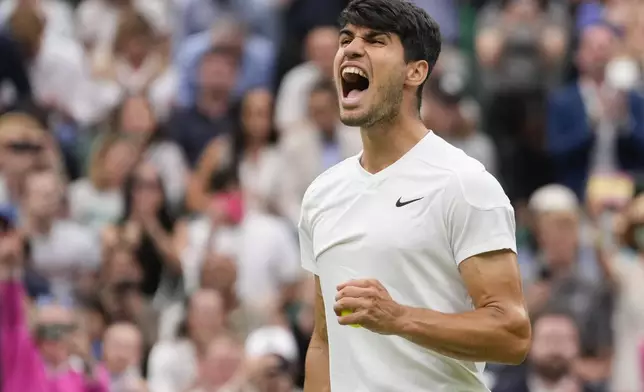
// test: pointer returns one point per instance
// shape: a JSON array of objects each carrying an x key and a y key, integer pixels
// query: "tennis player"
[{"x": 412, "y": 242}]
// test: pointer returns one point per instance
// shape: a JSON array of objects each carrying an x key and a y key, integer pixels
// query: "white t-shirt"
[
  {"x": 408, "y": 226},
  {"x": 264, "y": 248}
]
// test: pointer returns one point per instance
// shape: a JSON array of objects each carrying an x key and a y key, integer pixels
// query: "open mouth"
[{"x": 354, "y": 82}]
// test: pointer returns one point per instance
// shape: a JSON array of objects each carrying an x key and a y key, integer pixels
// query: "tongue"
[{"x": 353, "y": 94}]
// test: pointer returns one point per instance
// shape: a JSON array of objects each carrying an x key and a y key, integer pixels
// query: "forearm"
[
  {"x": 486, "y": 334},
  {"x": 317, "y": 367}
]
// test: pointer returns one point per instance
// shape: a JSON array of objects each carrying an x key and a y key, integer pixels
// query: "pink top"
[{"x": 22, "y": 367}]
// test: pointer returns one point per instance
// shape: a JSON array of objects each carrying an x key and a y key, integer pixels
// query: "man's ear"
[{"x": 417, "y": 72}]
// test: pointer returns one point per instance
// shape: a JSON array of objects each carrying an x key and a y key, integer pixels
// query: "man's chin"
[{"x": 353, "y": 118}]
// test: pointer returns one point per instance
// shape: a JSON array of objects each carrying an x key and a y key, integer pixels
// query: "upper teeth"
[{"x": 354, "y": 70}]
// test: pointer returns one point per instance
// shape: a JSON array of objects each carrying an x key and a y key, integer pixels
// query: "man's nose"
[{"x": 355, "y": 49}]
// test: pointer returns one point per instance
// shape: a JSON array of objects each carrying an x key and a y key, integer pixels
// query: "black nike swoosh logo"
[{"x": 400, "y": 203}]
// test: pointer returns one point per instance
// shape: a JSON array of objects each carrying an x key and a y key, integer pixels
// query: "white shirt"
[
  {"x": 60, "y": 74},
  {"x": 92, "y": 207},
  {"x": 352, "y": 228},
  {"x": 172, "y": 366},
  {"x": 264, "y": 249},
  {"x": 64, "y": 254}
]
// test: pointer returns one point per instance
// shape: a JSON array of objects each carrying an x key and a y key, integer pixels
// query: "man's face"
[
  {"x": 44, "y": 195},
  {"x": 217, "y": 74},
  {"x": 558, "y": 237},
  {"x": 370, "y": 73},
  {"x": 122, "y": 348},
  {"x": 54, "y": 326},
  {"x": 597, "y": 48},
  {"x": 555, "y": 345}
]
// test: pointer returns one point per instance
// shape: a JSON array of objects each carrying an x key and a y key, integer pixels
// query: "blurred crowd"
[{"x": 154, "y": 153}]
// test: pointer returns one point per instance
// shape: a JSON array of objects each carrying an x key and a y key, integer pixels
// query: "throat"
[{"x": 383, "y": 147}]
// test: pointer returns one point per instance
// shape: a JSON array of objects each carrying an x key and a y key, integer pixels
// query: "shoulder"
[
  {"x": 465, "y": 179},
  {"x": 328, "y": 182}
]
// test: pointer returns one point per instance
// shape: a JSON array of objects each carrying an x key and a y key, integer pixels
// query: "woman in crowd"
[
  {"x": 97, "y": 200},
  {"x": 135, "y": 119},
  {"x": 252, "y": 152},
  {"x": 150, "y": 230},
  {"x": 136, "y": 63}
]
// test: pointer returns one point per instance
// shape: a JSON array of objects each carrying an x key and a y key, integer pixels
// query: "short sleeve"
[
  {"x": 478, "y": 215},
  {"x": 288, "y": 267},
  {"x": 306, "y": 242}
]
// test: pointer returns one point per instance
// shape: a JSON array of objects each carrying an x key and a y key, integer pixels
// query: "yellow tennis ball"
[{"x": 346, "y": 313}]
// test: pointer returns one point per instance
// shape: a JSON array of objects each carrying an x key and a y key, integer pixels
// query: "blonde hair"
[{"x": 96, "y": 172}]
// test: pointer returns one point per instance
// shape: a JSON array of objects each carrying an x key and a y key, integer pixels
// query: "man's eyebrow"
[
  {"x": 375, "y": 33},
  {"x": 346, "y": 32}
]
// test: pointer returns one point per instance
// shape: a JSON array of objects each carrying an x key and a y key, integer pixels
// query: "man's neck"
[{"x": 385, "y": 143}]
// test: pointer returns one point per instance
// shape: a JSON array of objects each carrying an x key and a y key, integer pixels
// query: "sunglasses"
[
  {"x": 54, "y": 332},
  {"x": 24, "y": 147}
]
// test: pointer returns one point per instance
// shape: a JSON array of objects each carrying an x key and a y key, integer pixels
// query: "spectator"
[
  {"x": 148, "y": 228},
  {"x": 136, "y": 64},
  {"x": 253, "y": 153},
  {"x": 58, "y": 14},
  {"x": 123, "y": 356},
  {"x": 97, "y": 200},
  {"x": 57, "y": 70},
  {"x": 97, "y": 20},
  {"x": 551, "y": 362},
  {"x": 135, "y": 119},
  {"x": 268, "y": 271},
  {"x": 449, "y": 113},
  {"x": 295, "y": 88},
  {"x": 173, "y": 364},
  {"x": 195, "y": 126},
  {"x": 592, "y": 125},
  {"x": 520, "y": 48},
  {"x": 22, "y": 141},
  {"x": 62, "y": 251},
  {"x": 220, "y": 369},
  {"x": 253, "y": 54},
  {"x": 563, "y": 278},
  {"x": 197, "y": 16},
  {"x": 314, "y": 146},
  {"x": 626, "y": 272},
  {"x": 25, "y": 359},
  {"x": 121, "y": 295}
]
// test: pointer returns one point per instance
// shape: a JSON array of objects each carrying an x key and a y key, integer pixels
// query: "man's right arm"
[{"x": 317, "y": 356}]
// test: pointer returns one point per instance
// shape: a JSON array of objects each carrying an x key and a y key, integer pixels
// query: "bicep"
[{"x": 493, "y": 280}]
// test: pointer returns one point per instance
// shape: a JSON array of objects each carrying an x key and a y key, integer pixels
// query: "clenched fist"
[{"x": 370, "y": 306}]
